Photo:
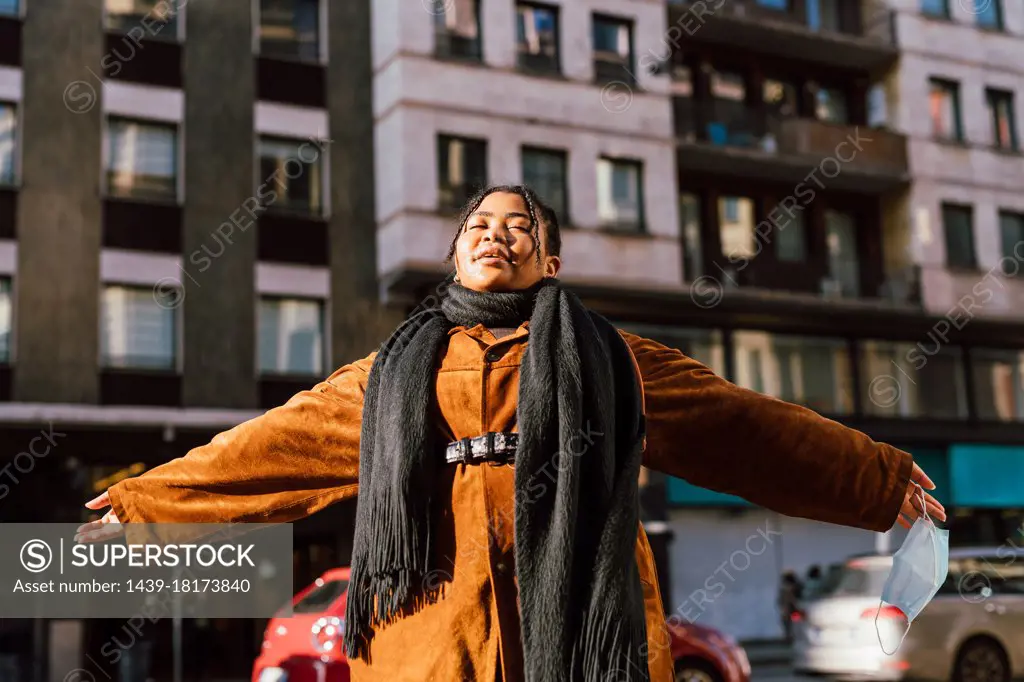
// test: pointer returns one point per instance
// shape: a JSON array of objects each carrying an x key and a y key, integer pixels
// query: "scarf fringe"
[{"x": 613, "y": 650}]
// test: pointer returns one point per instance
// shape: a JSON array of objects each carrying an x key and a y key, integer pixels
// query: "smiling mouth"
[{"x": 491, "y": 258}]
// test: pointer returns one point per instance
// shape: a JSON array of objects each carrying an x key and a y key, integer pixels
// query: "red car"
[
  {"x": 703, "y": 654},
  {"x": 307, "y": 646}
]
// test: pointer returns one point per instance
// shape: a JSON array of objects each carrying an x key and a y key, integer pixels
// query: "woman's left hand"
[{"x": 911, "y": 509}]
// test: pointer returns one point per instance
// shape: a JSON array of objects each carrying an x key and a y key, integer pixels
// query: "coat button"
[
  {"x": 501, "y": 568},
  {"x": 492, "y": 356}
]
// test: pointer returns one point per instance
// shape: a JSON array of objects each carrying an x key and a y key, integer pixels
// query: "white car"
[{"x": 972, "y": 631}]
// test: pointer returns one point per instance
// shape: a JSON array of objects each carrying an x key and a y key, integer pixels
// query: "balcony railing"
[
  {"x": 737, "y": 125},
  {"x": 870, "y": 19}
]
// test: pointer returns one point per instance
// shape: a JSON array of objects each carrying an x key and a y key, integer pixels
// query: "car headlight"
[
  {"x": 327, "y": 633},
  {"x": 273, "y": 675}
]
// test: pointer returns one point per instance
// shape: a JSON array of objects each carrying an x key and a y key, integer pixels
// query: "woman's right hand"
[{"x": 109, "y": 526}]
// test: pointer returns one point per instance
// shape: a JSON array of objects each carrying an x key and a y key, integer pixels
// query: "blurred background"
[{"x": 208, "y": 205}]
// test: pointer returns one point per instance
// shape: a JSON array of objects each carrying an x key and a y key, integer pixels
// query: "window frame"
[
  {"x": 565, "y": 217},
  {"x": 439, "y": 139},
  {"x": 894, "y": 377},
  {"x": 178, "y": 197},
  {"x": 948, "y": 207},
  {"x": 322, "y": 35},
  {"x": 9, "y": 281},
  {"x": 179, "y": 23},
  {"x": 1017, "y": 216},
  {"x": 1000, "y": 17},
  {"x": 629, "y": 67},
  {"x": 1015, "y": 358},
  {"x": 556, "y": 67},
  {"x": 617, "y": 226},
  {"x": 177, "y": 317},
  {"x": 779, "y": 340},
  {"x": 439, "y": 52},
  {"x": 944, "y": 14},
  {"x": 325, "y": 338},
  {"x": 952, "y": 88},
  {"x": 16, "y": 159},
  {"x": 324, "y": 212},
  {"x": 19, "y": 13},
  {"x": 993, "y": 97}
]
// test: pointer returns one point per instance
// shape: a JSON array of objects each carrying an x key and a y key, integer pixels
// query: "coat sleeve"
[
  {"x": 784, "y": 457},
  {"x": 281, "y": 466}
]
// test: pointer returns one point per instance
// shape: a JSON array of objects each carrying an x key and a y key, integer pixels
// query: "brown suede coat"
[{"x": 304, "y": 456}]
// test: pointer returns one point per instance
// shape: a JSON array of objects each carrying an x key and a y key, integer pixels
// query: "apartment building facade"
[
  {"x": 813, "y": 193},
  {"x": 186, "y": 240}
]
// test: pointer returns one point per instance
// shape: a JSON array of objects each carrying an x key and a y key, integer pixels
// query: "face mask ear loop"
[
  {"x": 924, "y": 505},
  {"x": 879, "y": 634}
]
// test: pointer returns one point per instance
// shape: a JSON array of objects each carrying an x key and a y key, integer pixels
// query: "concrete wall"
[
  {"x": 416, "y": 97},
  {"x": 971, "y": 173},
  {"x": 56, "y": 324},
  {"x": 220, "y": 305}
]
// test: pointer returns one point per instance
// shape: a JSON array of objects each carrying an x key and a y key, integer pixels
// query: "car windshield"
[
  {"x": 855, "y": 581},
  {"x": 319, "y": 598}
]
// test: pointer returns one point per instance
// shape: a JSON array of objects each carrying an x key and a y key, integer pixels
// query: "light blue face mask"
[{"x": 919, "y": 568}]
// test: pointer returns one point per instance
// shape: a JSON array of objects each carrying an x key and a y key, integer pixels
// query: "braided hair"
[{"x": 540, "y": 214}]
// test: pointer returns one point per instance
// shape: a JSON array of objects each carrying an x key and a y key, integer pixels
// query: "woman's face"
[{"x": 496, "y": 251}]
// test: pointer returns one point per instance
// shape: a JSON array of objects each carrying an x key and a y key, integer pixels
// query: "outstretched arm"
[
  {"x": 281, "y": 466},
  {"x": 780, "y": 456}
]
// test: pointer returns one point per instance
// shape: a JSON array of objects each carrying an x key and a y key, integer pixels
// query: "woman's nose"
[{"x": 496, "y": 234}]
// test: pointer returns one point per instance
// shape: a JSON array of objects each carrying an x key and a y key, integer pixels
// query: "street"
[{"x": 776, "y": 672}]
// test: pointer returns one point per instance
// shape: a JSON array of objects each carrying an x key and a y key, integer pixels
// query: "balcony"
[
  {"x": 848, "y": 34},
  {"x": 734, "y": 139}
]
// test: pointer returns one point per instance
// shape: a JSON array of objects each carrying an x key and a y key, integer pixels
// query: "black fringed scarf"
[{"x": 581, "y": 603}]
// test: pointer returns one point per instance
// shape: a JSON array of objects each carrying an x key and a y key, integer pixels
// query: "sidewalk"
[{"x": 767, "y": 651}]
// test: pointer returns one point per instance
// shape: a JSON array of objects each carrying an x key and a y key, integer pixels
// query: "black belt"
[{"x": 490, "y": 447}]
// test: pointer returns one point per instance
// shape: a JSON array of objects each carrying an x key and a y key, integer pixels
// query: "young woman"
[{"x": 495, "y": 444}]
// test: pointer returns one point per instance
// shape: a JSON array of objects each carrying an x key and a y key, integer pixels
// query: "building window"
[
  {"x": 958, "y": 225},
  {"x": 808, "y": 371},
  {"x": 781, "y": 97},
  {"x": 290, "y": 29},
  {"x": 681, "y": 81},
  {"x": 910, "y": 380},
  {"x": 1011, "y": 234},
  {"x": 791, "y": 238},
  {"x": 843, "y": 259},
  {"x": 296, "y": 178},
  {"x": 830, "y": 105},
  {"x": 998, "y": 384},
  {"x": 824, "y": 15},
  {"x": 6, "y": 319},
  {"x": 693, "y": 250},
  {"x": 537, "y": 37},
  {"x": 462, "y": 169},
  {"x": 138, "y": 328},
  {"x": 1001, "y": 113},
  {"x": 989, "y": 14},
  {"x": 158, "y": 18},
  {"x": 613, "y": 50},
  {"x": 545, "y": 171},
  {"x": 944, "y": 105},
  {"x": 8, "y": 140},
  {"x": 142, "y": 159},
  {"x": 291, "y": 337},
  {"x": 736, "y": 223},
  {"x": 703, "y": 345},
  {"x": 9, "y": 8},
  {"x": 935, "y": 8},
  {"x": 457, "y": 29},
  {"x": 620, "y": 194}
]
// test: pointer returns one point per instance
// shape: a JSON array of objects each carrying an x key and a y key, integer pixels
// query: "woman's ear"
[{"x": 553, "y": 265}]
